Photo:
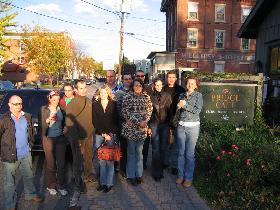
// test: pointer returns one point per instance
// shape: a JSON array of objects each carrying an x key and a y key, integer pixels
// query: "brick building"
[{"x": 203, "y": 35}]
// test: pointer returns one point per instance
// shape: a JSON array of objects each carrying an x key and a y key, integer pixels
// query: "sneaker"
[
  {"x": 62, "y": 192},
  {"x": 132, "y": 181},
  {"x": 52, "y": 191},
  {"x": 108, "y": 189},
  {"x": 187, "y": 183},
  {"x": 179, "y": 180},
  {"x": 75, "y": 199}
]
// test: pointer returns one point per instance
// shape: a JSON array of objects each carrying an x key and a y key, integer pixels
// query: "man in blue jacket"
[{"x": 16, "y": 138}]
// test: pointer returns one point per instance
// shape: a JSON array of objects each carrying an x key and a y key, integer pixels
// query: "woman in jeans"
[
  {"x": 136, "y": 111},
  {"x": 104, "y": 115},
  {"x": 51, "y": 125},
  {"x": 159, "y": 124},
  {"x": 190, "y": 105}
]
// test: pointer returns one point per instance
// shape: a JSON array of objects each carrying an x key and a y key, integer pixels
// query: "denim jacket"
[{"x": 190, "y": 112}]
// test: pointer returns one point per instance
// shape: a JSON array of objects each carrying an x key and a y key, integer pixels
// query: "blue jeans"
[
  {"x": 186, "y": 142},
  {"x": 134, "y": 167},
  {"x": 159, "y": 145},
  {"x": 106, "y": 167},
  {"x": 25, "y": 167}
]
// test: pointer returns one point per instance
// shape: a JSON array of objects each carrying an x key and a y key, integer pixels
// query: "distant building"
[
  {"x": 15, "y": 66},
  {"x": 263, "y": 24},
  {"x": 143, "y": 64},
  {"x": 203, "y": 35}
]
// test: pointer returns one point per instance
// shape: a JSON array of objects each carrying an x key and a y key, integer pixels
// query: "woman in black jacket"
[
  {"x": 51, "y": 125},
  {"x": 104, "y": 116},
  {"x": 159, "y": 125}
]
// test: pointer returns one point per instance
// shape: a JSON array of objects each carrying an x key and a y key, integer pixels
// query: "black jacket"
[
  {"x": 8, "y": 150},
  {"x": 174, "y": 92},
  {"x": 105, "y": 122},
  {"x": 44, "y": 113},
  {"x": 161, "y": 107}
]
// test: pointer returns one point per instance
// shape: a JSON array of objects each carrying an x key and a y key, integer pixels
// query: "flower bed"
[{"x": 238, "y": 169}]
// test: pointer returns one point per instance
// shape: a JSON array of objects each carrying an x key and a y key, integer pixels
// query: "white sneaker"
[
  {"x": 52, "y": 191},
  {"x": 63, "y": 192}
]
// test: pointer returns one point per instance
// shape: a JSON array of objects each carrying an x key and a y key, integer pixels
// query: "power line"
[
  {"x": 132, "y": 34},
  {"x": 107, "y": 10},
  {"x": 144, "y": 40},
  {"x": 116, "y": 12},
  {"x": 56, "y": 18}
]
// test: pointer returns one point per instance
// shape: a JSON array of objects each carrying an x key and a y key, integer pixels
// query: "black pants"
[
  {"x": 145, "y": 150},
  {"x": 123, "y": 143}
]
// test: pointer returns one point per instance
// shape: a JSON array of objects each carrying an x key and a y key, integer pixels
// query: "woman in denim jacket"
[{"x": 190, "y": 105}]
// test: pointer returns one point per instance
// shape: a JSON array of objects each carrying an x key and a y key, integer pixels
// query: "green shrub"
[{"x": 238, "y": 169}]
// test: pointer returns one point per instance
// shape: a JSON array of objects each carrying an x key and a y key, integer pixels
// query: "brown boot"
[{"x": 187, "y": 183}]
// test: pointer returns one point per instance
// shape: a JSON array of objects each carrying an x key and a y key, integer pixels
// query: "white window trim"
[
  {"x": 247, "y": 63},
  {"x": 241, "y": 45},
  {"x": 196, "y": 30},
  {"x": 193, "y": 3},
  {"x": 20, "y": 59},
  {"x": 218, "y": 30},
  {"x": 219, "y": 63},
  {"x": 241, "y": 12},
  {"x": 216, "y": 20}
]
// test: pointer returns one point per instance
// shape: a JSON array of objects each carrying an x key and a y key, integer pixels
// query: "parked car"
[{"x": 32, "y": 100}]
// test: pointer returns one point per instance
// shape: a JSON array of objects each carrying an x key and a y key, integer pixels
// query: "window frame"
[
  {"x": 241, "y": 44},
  {"x": 216, "y": 17},
  {"x": 241, "y": 12},
  {"x": 223, "y": 63},
  {"x": 189, "y": 16},
  {"x": 224, "y": 35},
  {"x": 195, "y": 30}
]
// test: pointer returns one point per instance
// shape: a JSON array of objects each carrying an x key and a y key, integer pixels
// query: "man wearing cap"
[{"x": 16, "y": 139}]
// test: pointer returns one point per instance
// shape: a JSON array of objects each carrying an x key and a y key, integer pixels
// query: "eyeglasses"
[
  {"x": 140, "y": 75},
  {"x": 17, "y": 104}
]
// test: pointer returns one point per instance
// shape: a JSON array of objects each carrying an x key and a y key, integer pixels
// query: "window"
[
  {"x": 21, "y": 60},
  {"x": 245, "y": 11},
  {"x": 219, "y": 67},
  {"x": 245, "y": 44},
  {"x": 220, "y": 10},
  {"x": 192, "y": 37},
  {"x": 219, "y": 39},
  {"x": 275, "y": 60},
  {"x": 192, "y": 10}
]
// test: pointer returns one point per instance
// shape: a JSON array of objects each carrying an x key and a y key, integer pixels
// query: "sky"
[{"x": 99, "y": 34}]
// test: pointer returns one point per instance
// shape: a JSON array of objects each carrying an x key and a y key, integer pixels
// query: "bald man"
[{"x": 16, "y": 138}]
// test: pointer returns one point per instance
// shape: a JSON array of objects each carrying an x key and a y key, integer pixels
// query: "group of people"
[{"x": 130, "y": 115}]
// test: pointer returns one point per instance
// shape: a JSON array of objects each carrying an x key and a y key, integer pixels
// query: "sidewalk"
[{"x": 150, "y": 195}]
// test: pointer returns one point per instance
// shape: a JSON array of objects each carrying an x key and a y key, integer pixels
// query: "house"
[
  {"x": 202, "y": 35},
  {"x": 263, "y": 24}
]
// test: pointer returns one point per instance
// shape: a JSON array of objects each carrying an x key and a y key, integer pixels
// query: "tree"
[
  {"x": 47, "y": 52},
  {"x": 6, "y": 24},
  {"x": 87, "y": 65}
]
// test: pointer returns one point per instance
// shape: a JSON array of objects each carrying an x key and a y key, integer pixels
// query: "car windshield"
[{"x": 32, "y": 101}]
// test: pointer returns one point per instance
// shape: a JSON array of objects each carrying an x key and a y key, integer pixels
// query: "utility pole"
[{"x": 121, "y": 41}]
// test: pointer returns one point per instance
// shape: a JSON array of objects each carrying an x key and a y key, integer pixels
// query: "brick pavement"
[{"x": 162, "y": 195}]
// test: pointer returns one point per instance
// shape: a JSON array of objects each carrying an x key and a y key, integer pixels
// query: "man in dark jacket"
[
  {"x": 79, "y": 131},
  {"x": 16, "y": 139},
  {"x": 174, "y": 90}
]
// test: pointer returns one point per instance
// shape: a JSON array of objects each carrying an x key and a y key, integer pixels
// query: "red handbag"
[{"x": 109, "y": 152}]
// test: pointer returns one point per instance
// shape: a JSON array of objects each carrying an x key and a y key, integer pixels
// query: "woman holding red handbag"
[{"x": 104, "y": 115}]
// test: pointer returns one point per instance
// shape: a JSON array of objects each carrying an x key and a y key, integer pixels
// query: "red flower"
[
  {"x": 223, "y": 152},
  {"x": 218, "y": 158},
  {"x": 229, "y": 153},
  {"x": 248, "y": 162},
  {"x": 234, "y": 146}
]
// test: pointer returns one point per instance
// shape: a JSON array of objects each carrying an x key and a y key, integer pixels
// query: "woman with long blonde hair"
[{"x": 104, "y": 115}]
